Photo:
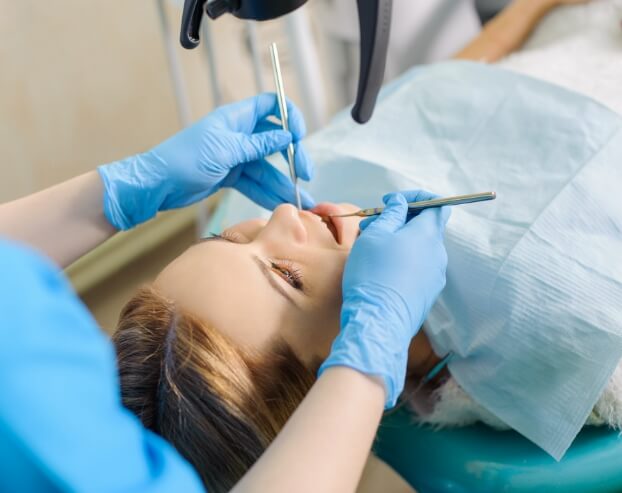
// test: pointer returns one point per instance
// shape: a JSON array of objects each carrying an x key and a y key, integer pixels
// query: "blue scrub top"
[{"x": 62, "y": 424}]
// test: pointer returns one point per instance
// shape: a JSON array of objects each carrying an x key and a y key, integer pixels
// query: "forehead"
[{"x": 222, "y": 284}]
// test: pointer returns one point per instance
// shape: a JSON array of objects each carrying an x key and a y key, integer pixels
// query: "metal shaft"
[
  {"x": 426, "y": 204},
  {"x": 455, "y": 200},
  {"x": 280, "y": 92}
]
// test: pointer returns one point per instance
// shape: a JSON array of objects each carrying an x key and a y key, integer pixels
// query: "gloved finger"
[
  {"x": 247, "y": 115},
  {"x": 269, "y": 200},
  {"x": 258, "y": 146},
  {"x": 416, "y": 195},
  {"x": 264, "y": 198},
  {"x": 267, "y": 178},
  {"x": 366, "y": 222},
  {"x": 303, "y": 163},
  {"x": 430, "y": 222},
  {"x": 445, "y": 215},
  {"x": 296, "y": 121},
  {"x": 266, "y": 125},
  {"x": 393, "y": 217},
  {"x": 267, "y": 104}
]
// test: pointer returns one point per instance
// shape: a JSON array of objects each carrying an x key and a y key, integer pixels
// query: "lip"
[{"x": 335, "y": 224}]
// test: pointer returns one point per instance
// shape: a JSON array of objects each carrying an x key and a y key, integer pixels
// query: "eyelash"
[
  {"x": 289, "y": 272},
  {"x": 232, "y": 236},
  {"x": 284, "y": 268}
]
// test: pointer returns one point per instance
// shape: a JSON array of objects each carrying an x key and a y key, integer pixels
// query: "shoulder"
[
  {"x": 61, "y": 418},
  {"x": 39, "y": 310}
]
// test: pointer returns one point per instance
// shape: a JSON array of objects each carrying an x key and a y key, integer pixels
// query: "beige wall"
[{"x": 83, "y": 83}]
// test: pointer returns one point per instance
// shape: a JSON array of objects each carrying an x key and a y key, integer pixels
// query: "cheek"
[
  {"x": 319, "y": 324},
  {"x": 327, "y": 302},
  {"x": 332, "y": 295},
  {"x": 327, "y": 274}
]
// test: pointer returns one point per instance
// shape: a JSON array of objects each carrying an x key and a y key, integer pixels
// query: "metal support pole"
[
  {"x": 253, "y": 42},
  {"x": 174, "y": 67},
  {"x": 307, "y": 66},
  {"x": 210, "y": 57}
]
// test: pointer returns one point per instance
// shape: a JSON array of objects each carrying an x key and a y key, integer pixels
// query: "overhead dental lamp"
[{"x": 374, "y": 26}]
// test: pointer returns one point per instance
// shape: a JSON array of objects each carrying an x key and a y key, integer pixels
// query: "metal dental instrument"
[
  {"x": 280, "y": 92},
  {"x": 426, "y": 204}
]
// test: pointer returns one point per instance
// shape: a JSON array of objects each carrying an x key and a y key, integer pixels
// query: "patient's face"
[{"x": 265, "y": 279}]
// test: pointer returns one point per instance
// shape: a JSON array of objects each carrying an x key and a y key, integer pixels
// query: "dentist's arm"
[
  {"x": 64, "y": 221},
  {"x": 326, "y": 442},
  {"x": 227, "y": 148}
]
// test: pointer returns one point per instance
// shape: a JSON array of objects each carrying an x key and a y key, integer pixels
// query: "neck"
[{"x": 421, "y": 357}]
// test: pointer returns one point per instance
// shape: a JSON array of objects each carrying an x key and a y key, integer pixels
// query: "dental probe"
[
  {"x": 426, "y": 204},
  {"x": 280, "y": 92}
]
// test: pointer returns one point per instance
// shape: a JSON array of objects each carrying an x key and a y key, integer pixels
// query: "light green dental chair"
[{"x": 478, "y": 459}]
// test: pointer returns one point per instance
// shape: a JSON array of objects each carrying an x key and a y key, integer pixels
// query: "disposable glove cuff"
[
  {"x": 381, "y": 303},
  {"x": 129, "y": 198},
  {"x": 366, "y": 345}
]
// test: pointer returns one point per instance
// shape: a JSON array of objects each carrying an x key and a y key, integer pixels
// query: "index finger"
[
  {"x": 417, "y": 195},
  {"x": 267, "y": 104},
  {"x": 431, "y": 221}
]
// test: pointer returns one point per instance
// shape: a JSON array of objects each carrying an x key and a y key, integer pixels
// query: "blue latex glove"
[
  {"x": 225, "y": 149},
  {"x": 393, "y": 275}
]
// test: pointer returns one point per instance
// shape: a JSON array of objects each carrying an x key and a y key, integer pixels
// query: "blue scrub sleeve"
[{"x": 62, "y": 424}]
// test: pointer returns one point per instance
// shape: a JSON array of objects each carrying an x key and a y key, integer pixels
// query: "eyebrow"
[{"x": 276, "y": 285}]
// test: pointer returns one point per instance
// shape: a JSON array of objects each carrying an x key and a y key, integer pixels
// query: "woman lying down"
[{"x": 530, "y": 315}]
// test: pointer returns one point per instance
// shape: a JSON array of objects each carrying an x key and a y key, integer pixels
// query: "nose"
[{"x": 286, "y": 225}]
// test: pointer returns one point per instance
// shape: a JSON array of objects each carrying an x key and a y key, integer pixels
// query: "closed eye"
[
  {"x": 227, "y": 235},
  {"x": 289, "y": 272}
]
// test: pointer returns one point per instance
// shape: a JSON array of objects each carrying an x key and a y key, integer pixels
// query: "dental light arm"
[{"x": 374, "y": 26}]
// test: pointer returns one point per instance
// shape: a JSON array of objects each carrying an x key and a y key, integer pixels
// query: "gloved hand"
[
  {"x": 225, "y": 149},
  {"x": 393, "y": 275}
]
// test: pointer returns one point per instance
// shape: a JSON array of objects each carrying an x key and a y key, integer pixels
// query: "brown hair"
[{"x": 218, "y": 405}]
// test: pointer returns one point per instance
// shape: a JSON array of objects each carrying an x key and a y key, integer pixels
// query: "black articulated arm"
[
  {"x": 191, "y": 23},
  {"x": 375, "y": 26}
]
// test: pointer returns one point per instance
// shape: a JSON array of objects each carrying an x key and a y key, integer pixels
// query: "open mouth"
[
  {"x": 334, "y": 224},
  {"x": 328, "y": 221}
]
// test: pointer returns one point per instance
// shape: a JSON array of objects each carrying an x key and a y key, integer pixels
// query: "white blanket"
[{"x": 578, "y": 47}]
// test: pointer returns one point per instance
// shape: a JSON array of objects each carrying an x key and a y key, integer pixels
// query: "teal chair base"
[{"x": 478, "y": 459}]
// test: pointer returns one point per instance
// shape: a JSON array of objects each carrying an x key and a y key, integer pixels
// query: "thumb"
[
  {"x": 257, "y": 146},
  {"x": 393, "y": 217}
]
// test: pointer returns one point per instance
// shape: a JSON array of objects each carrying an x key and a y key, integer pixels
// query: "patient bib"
[{"x": 533, "y": 303}]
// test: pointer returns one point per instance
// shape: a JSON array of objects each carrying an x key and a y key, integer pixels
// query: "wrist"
[
  {"x": 370, "y": 384},
  {"x": 374, "y": 346}
]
